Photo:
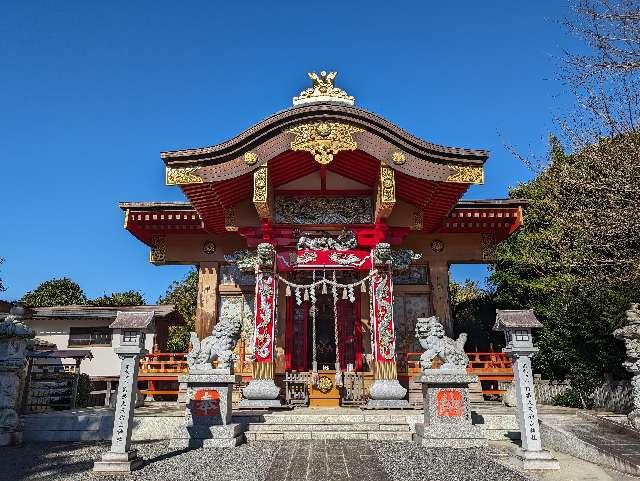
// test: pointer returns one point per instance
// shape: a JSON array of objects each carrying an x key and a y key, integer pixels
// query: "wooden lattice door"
[
  {"x": 296, "y": 336},
  {"x": 350, "y": 333}
]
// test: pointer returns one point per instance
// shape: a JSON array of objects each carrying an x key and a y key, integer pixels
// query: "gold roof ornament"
[
  {"x": 323, "y": 90},
  {"x": 323, "y": 140}
]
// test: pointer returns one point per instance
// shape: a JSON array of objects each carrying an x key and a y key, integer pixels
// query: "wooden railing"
[
  {"x": 490, "y": 367},
  {"x": 490, "y": 364},
  {"x": 162, "y": 367},
  {"x": 164, "y": 363}
]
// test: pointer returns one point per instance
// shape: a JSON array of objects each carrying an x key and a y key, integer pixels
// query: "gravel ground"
[
  {"x": 249, "y": 462},
  {"x": 74, "y": 461},
  {"x": 410, "y": 462}
]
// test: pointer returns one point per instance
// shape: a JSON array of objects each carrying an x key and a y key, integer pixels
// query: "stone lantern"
[
  {"x": 132, "y": 327},
  {"x": 517, "y": 326},
  {"x": 14, "y": 341},
  {"x": 630, "y": 334}
]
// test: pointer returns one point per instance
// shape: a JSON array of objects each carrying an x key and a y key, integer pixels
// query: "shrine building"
[{"x": 327, "y": 231}]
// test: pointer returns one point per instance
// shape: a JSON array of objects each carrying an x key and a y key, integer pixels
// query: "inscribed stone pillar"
[
  {"x": 439, "y": 279},
  {"x": 132, "y": 327},
  {"x": 517, "y": 326},
  {"x": 526, "y": 403},
  {"x": 121, "y": 457},
  {"x": 207, "y": 306},
  {"x": 531, "y": 455},
  {"x": 386, "y": 391}
]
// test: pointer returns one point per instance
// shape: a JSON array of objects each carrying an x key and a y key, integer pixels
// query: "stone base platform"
[
  {"x": 159, "y": 421},
  {"x": 226, "y": 436},
  {"x": 387, "y": 404},
  {"x": 453, "y": 436},
  {"x": 118, "y": 462},
  {"x": 10, "y": 438},
  {"x": 535, "y": 460},
  {"x": 261, "y": 404},
  {"x": 344, "y": 423}
]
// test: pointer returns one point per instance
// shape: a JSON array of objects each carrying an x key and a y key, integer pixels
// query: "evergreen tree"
[
  {"x": 184, "y": 295},
  {"x": 116, "y": 299}
]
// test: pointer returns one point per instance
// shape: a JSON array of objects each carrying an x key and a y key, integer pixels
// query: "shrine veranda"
[{"x": 361, "y": 221}]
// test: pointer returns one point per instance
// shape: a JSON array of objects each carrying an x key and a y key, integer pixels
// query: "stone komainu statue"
[
  {"x": 216, "y": 347},
  {"x": 430, "y": 334}
]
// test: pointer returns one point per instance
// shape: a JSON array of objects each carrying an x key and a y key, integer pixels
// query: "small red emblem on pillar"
[
  {"x": 206, "y": 402},
  {"x": 449, "y": 403}
]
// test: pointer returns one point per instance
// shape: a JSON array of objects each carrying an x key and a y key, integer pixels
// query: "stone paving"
[
  {"x": 260, "y": 461},
  {"x": 326, "y": 461}
]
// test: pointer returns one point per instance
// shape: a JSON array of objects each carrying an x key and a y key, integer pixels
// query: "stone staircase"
[{"x": 396, "y": 426}]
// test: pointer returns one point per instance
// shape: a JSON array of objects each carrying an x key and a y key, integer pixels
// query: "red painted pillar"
[
  {"x": 384, "y": 348},
  {"x": 385, "y": 392},
  {"x": 265, "y": 323},
  {"x": 262, "y": 392}
]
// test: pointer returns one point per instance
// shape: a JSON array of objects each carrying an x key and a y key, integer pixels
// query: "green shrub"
[{"x": 83, "y": 397}]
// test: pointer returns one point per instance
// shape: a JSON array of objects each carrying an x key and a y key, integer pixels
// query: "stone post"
[
  {"x": 121, "y": 457},
  {"x": 14, "y": 340},
  {"x": 386, "y": 391},
  {"x": 207, "y": 419},
  {"x": 517, "y": 325},
  {"x": 131, "y": 326},
  {"x": 447, "y": 410},
  {"x": 630, "y": 334}
]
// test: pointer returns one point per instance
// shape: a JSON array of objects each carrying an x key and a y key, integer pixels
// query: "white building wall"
[{"x": 105, "y": 361}]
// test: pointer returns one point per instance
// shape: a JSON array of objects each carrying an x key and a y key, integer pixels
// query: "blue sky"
[{"x": 91, "y": 92}]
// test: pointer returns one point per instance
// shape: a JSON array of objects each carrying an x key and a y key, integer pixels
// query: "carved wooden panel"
[
  {"x": 406, "y": 309},
  {"x": 240, "y": 306}
]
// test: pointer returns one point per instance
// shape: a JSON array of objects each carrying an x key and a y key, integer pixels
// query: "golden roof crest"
[{"x": 323, "y": 90}]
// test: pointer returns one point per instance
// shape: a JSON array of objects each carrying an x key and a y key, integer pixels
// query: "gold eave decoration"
[
  {"x": 466, "y": 174},
  {"x": 230, "y": 220},
  {"x": 250, "y": 158},
  {"x": 386, "y": 199},
  {"x": 261, "y": 192},
  {"x": 398, "y": 157},
  {"x": 324, "y": 139},
  {"x": 158, "y": 251},
  {"x": 182, "y": 176}
]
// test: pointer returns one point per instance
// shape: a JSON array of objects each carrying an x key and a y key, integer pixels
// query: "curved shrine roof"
[
  {"x": 322, "y": 147},
  {"x": 281, "y": 133}
]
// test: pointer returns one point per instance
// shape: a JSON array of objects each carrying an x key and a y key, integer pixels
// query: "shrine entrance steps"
[
  {"x": 158, "y": 420},
  {"x": 342, "y": 423}
]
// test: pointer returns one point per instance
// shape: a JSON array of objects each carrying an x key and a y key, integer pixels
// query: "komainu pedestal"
[
  {"x": 447, "y": 411},
  {"x": 207, "y": 418}
]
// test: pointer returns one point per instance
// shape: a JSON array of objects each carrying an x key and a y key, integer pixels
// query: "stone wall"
[
  {"x": 546, "y": 390},
  {"x": 612, "y": 396}
]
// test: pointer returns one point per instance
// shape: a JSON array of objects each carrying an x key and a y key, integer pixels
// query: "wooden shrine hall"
[{"x": 327, "y": 230}]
